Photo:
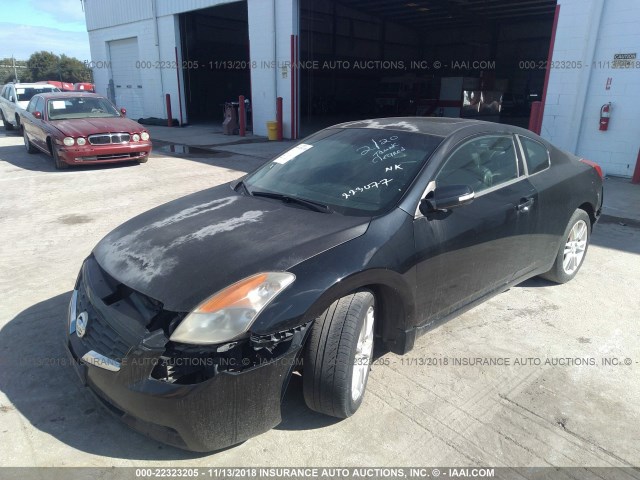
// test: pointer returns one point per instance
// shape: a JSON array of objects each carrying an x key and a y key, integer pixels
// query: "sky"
[{"x": 53, "y": 25}]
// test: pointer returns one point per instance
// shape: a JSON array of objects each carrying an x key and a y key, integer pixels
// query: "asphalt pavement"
[{"x": 541, "y": 375}]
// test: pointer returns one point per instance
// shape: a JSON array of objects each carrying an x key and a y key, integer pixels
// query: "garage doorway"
[
  {"x": 481, "y": 59},
  {"x": 215, "y": 56}
]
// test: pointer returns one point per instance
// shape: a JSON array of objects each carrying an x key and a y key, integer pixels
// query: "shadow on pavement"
[
  {"x": 41, "y": 385},
  {"x": 38, "y": 381}
]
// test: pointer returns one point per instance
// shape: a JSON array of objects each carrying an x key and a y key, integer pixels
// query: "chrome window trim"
[
  {"x": 525, "y": 157},
  {"x": 499, "y": 186}
]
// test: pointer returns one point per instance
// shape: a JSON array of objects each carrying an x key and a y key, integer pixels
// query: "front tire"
[
  {"x": 572, "y": 250},
  {"x": 338, "y": 355},
  {"x": 60, "y": 165}
]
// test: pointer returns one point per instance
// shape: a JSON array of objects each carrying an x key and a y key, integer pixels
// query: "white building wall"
[
  {"x": 592, "y": 31},
  {"x": 269, "y": 39},
  {"x": 120, "y": 19}
]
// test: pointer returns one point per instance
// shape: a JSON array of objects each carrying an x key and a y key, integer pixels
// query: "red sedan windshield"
[{"x": 80, "y": 107}]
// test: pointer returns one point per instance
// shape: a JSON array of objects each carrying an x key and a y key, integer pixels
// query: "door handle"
[{"x": 525, "y": 204}]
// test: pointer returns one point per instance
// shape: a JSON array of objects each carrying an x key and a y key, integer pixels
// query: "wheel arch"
[
  {"x": 591, "y": 211},
  {"x": 395, "y": 304}
]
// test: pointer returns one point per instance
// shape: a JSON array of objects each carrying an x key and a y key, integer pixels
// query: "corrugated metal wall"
[{"x": 108, "y": 13}]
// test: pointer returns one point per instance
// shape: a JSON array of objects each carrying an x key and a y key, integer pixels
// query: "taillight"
[{"x": 594, "y": 165}]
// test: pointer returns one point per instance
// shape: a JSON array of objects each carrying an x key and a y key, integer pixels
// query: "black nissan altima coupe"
[{"x": 188, "y": 321}]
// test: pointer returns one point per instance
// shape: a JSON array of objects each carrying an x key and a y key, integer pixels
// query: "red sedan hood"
[{"x": 81, "y": 127}]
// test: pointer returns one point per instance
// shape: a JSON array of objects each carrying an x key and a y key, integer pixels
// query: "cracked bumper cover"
[
  {"x": 217, "y": 413},
  {"x": 115, "y": 355}
]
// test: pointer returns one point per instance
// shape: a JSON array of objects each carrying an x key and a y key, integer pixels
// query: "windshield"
[
  {"x": 80, "y": 107},
  {"x": 354, "y": 171},
  {"x": 24, "y": 94}
]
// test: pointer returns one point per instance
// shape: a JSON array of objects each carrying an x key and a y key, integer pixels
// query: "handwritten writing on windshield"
[
  {"x": 357, "y": 190},
  {"x": 382, "y": 149}
]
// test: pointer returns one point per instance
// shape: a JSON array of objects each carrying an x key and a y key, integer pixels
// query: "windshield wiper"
[
  {"x": 244, "y": 187},
  {"x": 318, "y": 207}
]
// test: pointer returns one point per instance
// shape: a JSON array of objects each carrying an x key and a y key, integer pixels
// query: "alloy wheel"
[{"x": 575, "y": 247}]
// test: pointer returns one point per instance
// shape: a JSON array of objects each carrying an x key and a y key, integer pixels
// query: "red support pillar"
[
  {"x": 534, "y": 118},
  {"x": 279, "y": 117},
  {"x": 636, "y": 173},
  {"x": 293, "y": 89},
  {"x": 169, "y": 117},
  {"x": 242, "y": 116}
]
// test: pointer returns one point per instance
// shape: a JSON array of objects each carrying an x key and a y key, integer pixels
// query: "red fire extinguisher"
[{"x": 605, "y": 115}]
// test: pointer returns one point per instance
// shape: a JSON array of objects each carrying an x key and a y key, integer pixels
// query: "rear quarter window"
[{"x": 536, "y": 155}]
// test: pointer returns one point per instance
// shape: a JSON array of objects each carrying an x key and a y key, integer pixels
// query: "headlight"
[
  {"x": 136, "y": 137},
  {"x": 68, "y": 141},
  {"x": 228, "y": 314},
  {"x": 81, "y": 141},
  {"x": 144, "y": 136}
]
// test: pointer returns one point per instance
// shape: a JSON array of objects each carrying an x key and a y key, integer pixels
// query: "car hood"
[
  {"x": 184, "y": 251},
  {"x": 82, "y": 127}
]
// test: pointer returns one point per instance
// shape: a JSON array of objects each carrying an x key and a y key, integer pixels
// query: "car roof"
[
  {"x": 79, "y": 93},
  {"x": 438, "y": 126},
  {"x": 41, "y": 85}
]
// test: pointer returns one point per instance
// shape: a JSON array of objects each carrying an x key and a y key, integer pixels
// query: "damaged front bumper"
[{"x": 192, "y": 397}]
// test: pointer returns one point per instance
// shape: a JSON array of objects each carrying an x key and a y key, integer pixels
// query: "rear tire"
[
  {"x": 338, "y": 355},
  {"x": 573, "y": 249},
  {"x": 60, "y": 165},
  {"x": 27, "y": 143}
]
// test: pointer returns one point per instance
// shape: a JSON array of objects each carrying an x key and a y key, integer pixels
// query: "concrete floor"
[{"x": 417, "y": 410}]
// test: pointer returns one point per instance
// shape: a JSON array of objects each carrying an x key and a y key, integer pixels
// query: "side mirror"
[
  {"x": 123, "y": 111},
  {"x": 447, "y": 197},
  {"x": 11, "y": 98},
  {"x": 37, "y": 115}
]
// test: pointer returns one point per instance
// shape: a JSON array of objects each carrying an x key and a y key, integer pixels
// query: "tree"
[
  {"x": 49, "y": 66},
  {"x": 73, "y": 70},
  {"x": 44, "y": 66}
]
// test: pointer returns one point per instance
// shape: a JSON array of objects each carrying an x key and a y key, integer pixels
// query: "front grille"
[
  {"x": 100, "y": 336},
  {"x": 107, "y": 138}
]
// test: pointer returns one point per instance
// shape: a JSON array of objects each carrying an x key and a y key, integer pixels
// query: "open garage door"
[
  {"x": 127, "y": 87},
  {"x": 483, "y": 59},
  {"x": 215, "y": 43}
]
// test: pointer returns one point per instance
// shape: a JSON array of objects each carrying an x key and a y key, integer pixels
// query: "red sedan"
[{"x": 82, "y": 128}]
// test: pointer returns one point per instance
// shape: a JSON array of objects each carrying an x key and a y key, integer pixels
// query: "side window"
[
  {"x": 536, "y": 154},
  {"x": 481, "y": 163},
  {"x": 40, "y": 105},
  {"x": 4, "y": 92}
]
